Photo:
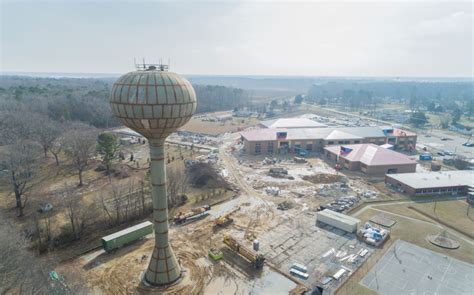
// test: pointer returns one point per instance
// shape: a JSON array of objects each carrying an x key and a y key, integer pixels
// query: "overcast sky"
[{"x": 405, "y": 39}]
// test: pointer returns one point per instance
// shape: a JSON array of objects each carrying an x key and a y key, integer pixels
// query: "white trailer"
[{"x": 338, "y": 220}]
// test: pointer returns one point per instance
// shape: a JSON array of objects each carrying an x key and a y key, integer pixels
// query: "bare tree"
[
  {"x": 74, "y": 210},
  {"x": 20, "y": 160},
  {"x": 56, "y": 148},
  {"x": 80, "y": 147},
  {"x": 21, "y": 271},
  {"x": 45, "y": 132},
  {"x": 15, "y": 124},
  {"x": 177, "y": 184}
]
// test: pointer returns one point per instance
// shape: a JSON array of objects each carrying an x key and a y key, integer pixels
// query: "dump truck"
[
  {"x": 257, "y": 260},
  {"x": 225, "y": 220},
  {"x": 192, "y": 215}
]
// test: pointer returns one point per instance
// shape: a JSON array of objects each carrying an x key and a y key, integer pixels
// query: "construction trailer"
[
  {"x": 338, "y": 220},
  {"x": 126, "y": 236}
]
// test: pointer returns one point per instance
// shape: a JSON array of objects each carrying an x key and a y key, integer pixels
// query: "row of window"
[
  {"x": 343, "y": 142},
  {"x": 439, "y": 190},
  {"x": 271, "y": 147}
]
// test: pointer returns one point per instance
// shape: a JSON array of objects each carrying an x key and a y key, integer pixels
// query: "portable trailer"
[{"x": 126, "y": 236}]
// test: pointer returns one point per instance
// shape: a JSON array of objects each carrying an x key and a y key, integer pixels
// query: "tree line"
[{"x": 87, "y": 100}]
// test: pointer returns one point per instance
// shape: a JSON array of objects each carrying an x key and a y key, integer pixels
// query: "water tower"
[{"x": 155, "y": 102}]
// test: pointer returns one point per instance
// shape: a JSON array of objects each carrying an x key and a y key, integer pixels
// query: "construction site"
[
  {"x": 288, "y": 224},
  {"x": 308, "y": 204}
]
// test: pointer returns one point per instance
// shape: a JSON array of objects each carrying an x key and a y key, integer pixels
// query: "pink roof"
[{"x": 371, "y": 154}]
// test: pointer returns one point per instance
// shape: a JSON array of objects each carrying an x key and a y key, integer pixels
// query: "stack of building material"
[
  {"x": 299, "y": 270},
  {"x": 373, "y": 235}
]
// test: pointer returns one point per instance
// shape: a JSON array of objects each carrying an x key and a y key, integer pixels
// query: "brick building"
[
  {"x": 371, "y": 159},
  {"x": 288, "y": 140},
  {"x": 432, "y": 183}
]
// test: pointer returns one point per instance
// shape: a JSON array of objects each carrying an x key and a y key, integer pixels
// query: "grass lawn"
[
  {"x": 453, "y": 213},
  {"x": 416, "y": 232}
]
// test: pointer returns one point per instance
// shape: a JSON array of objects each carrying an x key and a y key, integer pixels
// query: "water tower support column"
[{"x": 163, "y": 268}]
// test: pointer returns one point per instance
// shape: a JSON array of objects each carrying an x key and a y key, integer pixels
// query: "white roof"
[
  {"x": 338, "y": 134},
  {"x": 127, "y": 131},
  {"x": 292, "y": 123},
  {"x": 339, "y": 216},
  {"x": 435, "y": 179},
  {"x": 126, "y": 231}
]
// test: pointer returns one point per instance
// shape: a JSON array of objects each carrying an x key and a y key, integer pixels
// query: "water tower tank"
[{"x": 155, "y": 102}]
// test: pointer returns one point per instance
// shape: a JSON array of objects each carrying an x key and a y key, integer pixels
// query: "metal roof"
[
  {"x": 127, "y": 230},
  {"x": 339, "y": 216},
  {"x": 292, "y": 123},
  {"x": 339, "y": 134},
  {"x": 372, "y": 155},
  {"x": 435, "y": 179},
  {"x": 266, "y": 134}
]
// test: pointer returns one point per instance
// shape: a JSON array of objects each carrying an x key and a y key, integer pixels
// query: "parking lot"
[{"x": 452, "y": 143}]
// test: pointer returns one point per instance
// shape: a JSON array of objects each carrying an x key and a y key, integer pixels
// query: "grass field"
[
  {"x": 416, "y": 232},
  {"x": 197, "y": 125},
  {"x": 453, "y": 213}
]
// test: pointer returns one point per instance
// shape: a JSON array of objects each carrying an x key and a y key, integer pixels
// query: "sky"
[{"x": 314, "y": 38}]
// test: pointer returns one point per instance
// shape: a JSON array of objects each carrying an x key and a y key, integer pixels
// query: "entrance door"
[{"x": 284, "y": 147}]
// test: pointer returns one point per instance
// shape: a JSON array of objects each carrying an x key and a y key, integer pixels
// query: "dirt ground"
[
  {"x": 120, "y": 272},
  {"x": 198, "y": 124},
  {"x": 286, "y": 237}
]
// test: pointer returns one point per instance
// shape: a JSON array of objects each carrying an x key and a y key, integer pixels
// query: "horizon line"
[{"x": 46, "y": 74}]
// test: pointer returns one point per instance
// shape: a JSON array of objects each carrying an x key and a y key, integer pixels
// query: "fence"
[{"x": 351, "y": 285}]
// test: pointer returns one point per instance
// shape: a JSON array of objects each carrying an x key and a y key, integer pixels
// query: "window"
[
  {"x": 309, "y": 147},
  {"x": 258, "y": 148},
  {"x": 330, "y": 142},
  {"x": 270, "y": 148},
  {"x": 340, "y": 142},
  {"x": 347, "y": 142}
]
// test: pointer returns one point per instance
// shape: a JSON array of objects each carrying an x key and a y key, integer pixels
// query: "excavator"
[
  {"x": 257, "y": 260},
  {"x": 225, "y": 220}
]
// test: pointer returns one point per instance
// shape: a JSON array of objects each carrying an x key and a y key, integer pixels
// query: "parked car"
[
  {"x": 468, "y": 144},
  {"x": 441, "y": 154},
  {"x": 448, "y": 153}
]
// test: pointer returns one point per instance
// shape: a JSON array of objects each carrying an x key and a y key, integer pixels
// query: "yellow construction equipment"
[
  {"x": 257, "y": 260},
  {"x": 225, "y": 220}
]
